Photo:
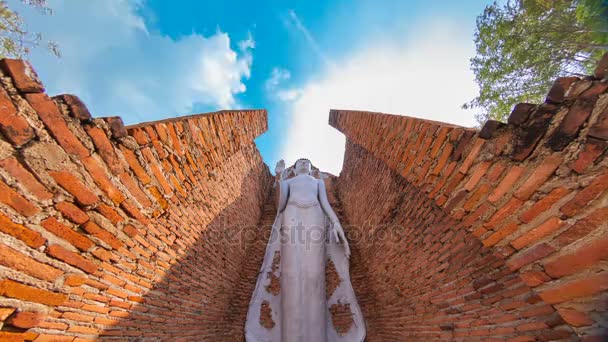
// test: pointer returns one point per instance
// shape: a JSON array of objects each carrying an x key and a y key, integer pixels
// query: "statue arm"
[
  {"x": 283, "y": 194},
  {"x": 336, "y": 228},
  {"x": 325, "y": 203}
]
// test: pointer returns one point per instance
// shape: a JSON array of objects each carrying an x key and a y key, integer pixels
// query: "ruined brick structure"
[{"x": 157, "y": 231}]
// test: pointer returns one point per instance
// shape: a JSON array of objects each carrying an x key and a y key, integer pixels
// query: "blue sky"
[{"x": 150, "y": 59}]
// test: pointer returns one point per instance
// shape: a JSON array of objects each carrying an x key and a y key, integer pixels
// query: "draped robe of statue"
[{"x": 297, "y": 254}]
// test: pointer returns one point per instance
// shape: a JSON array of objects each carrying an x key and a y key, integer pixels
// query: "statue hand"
[
  {"x": 278, "y": 169},
  {"x": 340, "y": 237}
]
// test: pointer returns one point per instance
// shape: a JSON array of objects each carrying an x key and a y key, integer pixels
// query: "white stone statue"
[{"x": 293, "y": 301}]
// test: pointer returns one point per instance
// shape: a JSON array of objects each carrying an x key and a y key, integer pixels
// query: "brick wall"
[
  {"x": 498, "y": 233},
  {"x": 157, "y": 230},
  {"x": 117, "y": 231}
]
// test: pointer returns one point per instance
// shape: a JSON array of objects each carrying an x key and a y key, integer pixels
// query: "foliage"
[
  {"x": 523, "y": 45},
  {"x": 15, "y": 40}
]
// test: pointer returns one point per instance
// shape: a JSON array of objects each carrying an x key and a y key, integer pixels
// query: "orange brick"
[
  {"x": 536, "y": 311},
  {"x": 28, "y": 236},
  {"x": 98, "y": 173},
  {"x": 134, "y": 164},
  {"x": 122, "y": 314},
  {"x": 549, "y": 226},
  {"x": 5, "y": 312},
  {"x": 105, "y": 148},
  {"x": 479, "y": 172},
  {"x": 139, "y": 135},
  {"x": 474, "y": 217},
  {"x": 12, "y": 289},
  {"x": 159, "y": 197},
  {"x": 71, "y": 184},
  {"x": 534, "y": 278},
  {"x": 77, "y": 317},
  {"x": 78, "y": 240},
  {"x": 578, "y": 288},
  {"x": 133, "y": 211},
  {"x": 504, "y": 213},
  {"x": 130, "y": 230},
  {"x": 120, "y": 304},
  {"x": 575, "y": 318},
  {"x": 55, "y": 123},
  {"x": 529, "y": 256},
  {"x": 23, "y": 75},
  {"x": 106, "y": 321},
  {"x": 500, "y": 234},
  {"x": 20, "y": 262},
  {"x": 496, "y": 171},
  {"x": 539, "y": 176},
  {"x": 477, "y": 145},
  {"x": 72, "y": 212},
  {"x": 532, "y": 326},
  {"x": 53, "y": 338},
  {"x": 579, "y": 259},
  {"x": 593, "y": 149},
  {"x": 12, "y": 125},
  {"x": 25, "y": 319},
  {"x": 177, "y": 145},
  {"x": 102, "y": 254},
  {"x": 160, "y": 177},
  {"x": 117, "y": 293},
  {"x": 95, "y": 308},
  {"x": 11, "y": 198},
  {"x": 134, "y": 189},
  {"x": 102, "y": 234},
  {"x": 442, "y": 135},
  {"x": 475, "y": 197},
  {"x": 544, "y": 204},
  {"x": 71, "y": 258},
  {"x": 75, "y": 280},
  {"x": 506, "y": 184},
  {"x": 109, "y": 213},
  {"x": 6, "y": 336},
  {"x": 588, "y": 194},
  {"x": 583, "y": 227},
  {"x": 25, "y": 178},
  {"x": 53, "y": 325}
]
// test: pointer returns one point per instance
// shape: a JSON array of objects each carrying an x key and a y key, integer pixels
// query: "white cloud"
[
  {"x": 426, "y": 75},
  {"x": 277, "y": 76},
  {"x": 118, "y": 66},
  {"x": 289, "y": 94}
]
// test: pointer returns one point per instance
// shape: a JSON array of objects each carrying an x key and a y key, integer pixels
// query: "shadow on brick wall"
[{"x": 204, "y": 295}]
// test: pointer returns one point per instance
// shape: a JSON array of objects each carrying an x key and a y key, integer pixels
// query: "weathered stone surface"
[
  {"x": 489, "y": 128},
  {"x": 559, "y": 89},
  {"x": 597, "y": 88},
  {"x": 520, "y": 113},
  {"x": 117, "y": 127},
  {"x": 461, "y": 145},
  {"x": 599, "y": 130},
  {"x": 76, "y": 107},
  {"x": 24, "y": 77},
  {"x": 571, "y": 124},
  {"x": 591, "y": 152},
  {"x": 12, "y": 125},
  {"x": 530, "y": 134}
]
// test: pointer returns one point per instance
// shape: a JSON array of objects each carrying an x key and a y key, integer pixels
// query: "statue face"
[{"x": 302, "y": 166}]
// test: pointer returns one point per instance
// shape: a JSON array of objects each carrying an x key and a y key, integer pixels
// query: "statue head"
[{"x": 302, "y": 166}]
